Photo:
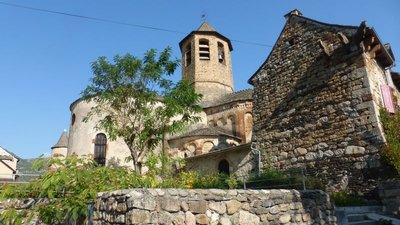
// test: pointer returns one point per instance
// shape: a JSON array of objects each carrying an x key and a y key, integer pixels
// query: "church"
[
  {"x": 315, "y": 105},
  {"x": 221, "y": 142}
]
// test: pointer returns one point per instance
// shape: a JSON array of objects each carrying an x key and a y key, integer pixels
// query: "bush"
[
  {"x": 273, "y": 178},
  {"x": 343, "y": 198},
  {"x": 391, "y": 126},
  {"x": 71, "y": 183}
]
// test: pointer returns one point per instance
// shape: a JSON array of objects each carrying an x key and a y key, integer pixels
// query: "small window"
[
  {"x": 100, "y": 149},
  {"x": 73, "y": 118},
  {"x": 188, "y": 55},
  {"x": 204, "y": 50},
  {"x": 221, "y": 53},
  {"x": 223, "y": 167}
]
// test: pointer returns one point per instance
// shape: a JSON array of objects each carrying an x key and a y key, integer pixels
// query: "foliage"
[
  {"x": 138, "y": 103},
  {"x": 69, "y": 188},
  {"x": 71, "y": 183},
  {"x": 391, "y": 126},
  {"x": 273, "y": 178},
  {"x": 343, "y": 198}
]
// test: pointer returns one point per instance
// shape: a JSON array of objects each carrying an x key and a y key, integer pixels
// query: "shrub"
[
  {"x": 343, "y": 198},
  {"x": 73, "y": 182},
  {"x": 391, "y": 126}
]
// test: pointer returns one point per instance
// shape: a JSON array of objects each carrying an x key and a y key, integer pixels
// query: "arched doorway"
[{"x": 223, "y": 166}]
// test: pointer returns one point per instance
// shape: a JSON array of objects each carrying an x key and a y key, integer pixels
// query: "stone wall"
[
  {"x": 389, "y": 193},
  {"x": 316, "y": 100},
  {"x": 241, "y": 162},
  {"x": 179, "y": 206}
]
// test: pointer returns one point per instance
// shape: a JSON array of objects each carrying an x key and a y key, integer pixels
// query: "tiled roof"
[
  {"x": 11, "y": 153},
  {"x": 229, "y": 98},
  {"x": 206, "y": 27},
  {"x": 208, "y": 131},
  {"x": 62, "y": 142}
]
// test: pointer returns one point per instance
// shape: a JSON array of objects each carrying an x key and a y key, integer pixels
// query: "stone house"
[
  {"x": 317, "y": 99},
  {"x": 218, "y": 143},
  {"x": 8, "y": 165}
]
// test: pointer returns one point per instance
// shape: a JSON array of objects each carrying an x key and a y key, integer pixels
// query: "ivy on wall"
[{"x": 391, "y": 126}]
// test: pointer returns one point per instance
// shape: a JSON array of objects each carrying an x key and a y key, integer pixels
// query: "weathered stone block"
[{"x": 198, "y": 206}]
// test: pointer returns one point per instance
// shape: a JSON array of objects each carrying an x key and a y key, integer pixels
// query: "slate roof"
[
  {"x": 208, "y": 131},
  {"x": 11, "y": 153},
  {"x": 245, "y": 147},
  {"x": 297, "y": 16},
  {"x": 206, "y": 27},
  {"x": 62, "y": 142},
  {"x": 246, "y": 94}
]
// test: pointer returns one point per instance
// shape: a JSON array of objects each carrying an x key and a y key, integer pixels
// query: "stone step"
[
  {"x": 363, "y": 222},
  {"x": 356, "y": 217}
]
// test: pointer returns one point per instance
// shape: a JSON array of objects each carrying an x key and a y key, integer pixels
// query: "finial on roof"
[
  {"x": 293, "y": 12},
  {"x": 204, "y": 17}
]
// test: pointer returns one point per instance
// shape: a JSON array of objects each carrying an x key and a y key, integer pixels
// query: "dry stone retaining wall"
[{"x": 213, "y": 206}]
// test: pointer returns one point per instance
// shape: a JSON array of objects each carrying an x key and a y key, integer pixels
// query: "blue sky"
[{"x": 45, "y": 58}]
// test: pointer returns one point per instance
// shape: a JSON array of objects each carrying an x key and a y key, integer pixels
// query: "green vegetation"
[
  {"x": 273, "y": 178},
  {"x": 70, "y": 184},
  {"x": 128, "y": 93},
  {"x": 343, "y": 198},
  {"x": 391, "y": 126}
]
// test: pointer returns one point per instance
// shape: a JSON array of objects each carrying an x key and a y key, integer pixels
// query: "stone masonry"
[
  {"x": 213, "y": 206},
  {"x": 316, "y": 103}
]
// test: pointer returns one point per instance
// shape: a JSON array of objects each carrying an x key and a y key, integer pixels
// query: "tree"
[{"x": 138, "y": 103}]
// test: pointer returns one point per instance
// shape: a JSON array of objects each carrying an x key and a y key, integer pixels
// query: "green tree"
[{"x": 138, "y": 103}]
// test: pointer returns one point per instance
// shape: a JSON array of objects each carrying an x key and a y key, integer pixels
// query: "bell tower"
[{"x": 206, "y": 62}]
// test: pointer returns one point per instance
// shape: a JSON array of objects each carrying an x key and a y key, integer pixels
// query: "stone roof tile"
[{"x": 62, "y": 142}]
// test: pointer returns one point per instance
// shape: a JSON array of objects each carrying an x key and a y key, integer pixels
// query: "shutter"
[{"x": 387, "y": 98}]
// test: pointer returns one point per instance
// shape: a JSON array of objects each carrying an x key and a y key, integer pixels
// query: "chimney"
[{"x": 293, "y": 12}]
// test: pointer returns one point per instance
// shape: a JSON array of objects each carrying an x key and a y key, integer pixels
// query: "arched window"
[
  {"x": 73, "y": 118},
  {"x": 204, "y": 49},
  {"x": 223, "y": 167},
  {"x": 100, "y": 144},
  {"x": 232, "y": 125},
  {"x": 188, "y": 54},
  {"x": 221, "y": 53}
]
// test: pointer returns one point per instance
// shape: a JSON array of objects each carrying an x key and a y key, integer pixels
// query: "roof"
[
  {"x": 242, "y": 95},
  {"x": 396, "y": 79},
  {"x": 62, "y": 142},
  {"x": 11, "y": 153},
  {"x": 361, "y": 33},
  {"x": 208, "y": 131},
  {"x": 224, "y": 150},
  {"x": 206, "y": 29}
]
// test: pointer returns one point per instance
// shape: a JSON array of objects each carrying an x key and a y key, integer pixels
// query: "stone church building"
[
  {"x": 315, "y": 105},
  {"x": 219, "y": 143}
]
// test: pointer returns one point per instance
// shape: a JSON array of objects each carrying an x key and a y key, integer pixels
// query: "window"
[
  {"x": 223, "y": 167},
  {"x": 188, "y": 55},
  {"x": 100, "y": 149},
  {"x": 221, "y": 53},
  {"x": 204, "y": 50},
  {"x": 73, "y": 118}
]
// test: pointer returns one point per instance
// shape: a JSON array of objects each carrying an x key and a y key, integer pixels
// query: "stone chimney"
[{"x": 293, "y": 12}]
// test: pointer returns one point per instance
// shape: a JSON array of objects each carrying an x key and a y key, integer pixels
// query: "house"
[
  {"x": 316, "y": 102},
  {"x": 8, "y": 165}
]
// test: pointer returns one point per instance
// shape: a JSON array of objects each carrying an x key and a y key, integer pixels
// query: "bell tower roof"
[
  {"x": 63, "y": 141},
  {"x": 205, "y": 26},
  {"x": 207, "y": 29}
]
